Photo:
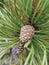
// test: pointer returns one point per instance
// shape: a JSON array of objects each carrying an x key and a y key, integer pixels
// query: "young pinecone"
[
  {"x": 26, "y": 33},
  {"x": 16, "y": 52}
]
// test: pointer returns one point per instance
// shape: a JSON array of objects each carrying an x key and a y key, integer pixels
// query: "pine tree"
[{"x": 24, "y": 32}]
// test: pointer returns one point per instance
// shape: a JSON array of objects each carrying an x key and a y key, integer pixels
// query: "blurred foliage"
[{"x": 36, "y": 50}]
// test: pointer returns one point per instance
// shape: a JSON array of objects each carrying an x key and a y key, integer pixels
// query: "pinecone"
[
  {"x": 27, "y": 32},
  {"x": 16, "y": 52}
]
